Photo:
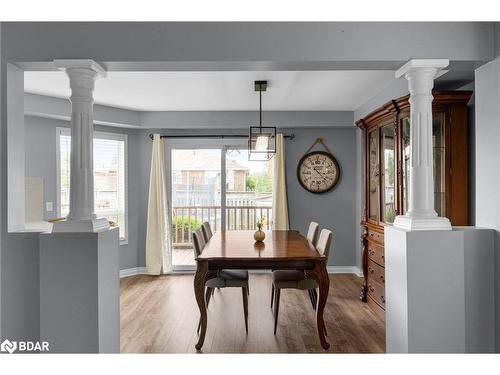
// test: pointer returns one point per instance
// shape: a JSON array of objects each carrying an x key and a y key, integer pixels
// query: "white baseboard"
[
  {"x": 132, "y": 271},
  {"x": 345, "y": 269},
  {"x": 331, "y": 269}
]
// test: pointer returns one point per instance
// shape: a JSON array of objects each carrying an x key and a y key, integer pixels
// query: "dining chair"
[
  {"x": 291, "y": 279},
  {"x": 222, "y": 278},
  {"x": 312, "y": 233},
  {"x": 207, "y": 231}
]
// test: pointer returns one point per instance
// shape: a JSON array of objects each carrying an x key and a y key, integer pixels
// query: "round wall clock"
[{"x": 318, "y": 172}]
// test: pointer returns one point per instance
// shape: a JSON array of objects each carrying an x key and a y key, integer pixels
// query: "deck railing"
[{"x": 185, "y": 219}]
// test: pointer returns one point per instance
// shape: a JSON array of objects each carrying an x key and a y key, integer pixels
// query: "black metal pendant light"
[{"x": 262, "y": 139}]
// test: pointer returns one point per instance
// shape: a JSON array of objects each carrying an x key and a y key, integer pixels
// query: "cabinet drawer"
[
  {"x": 375, "y": 236},
  {"x": 376, "y": 253},
  {"x": 377, "y": 292},
  {"x": 376, "y": 272},
  {"x": 376, "y": 308}
]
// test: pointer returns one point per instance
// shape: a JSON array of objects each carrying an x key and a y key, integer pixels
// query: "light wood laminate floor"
[{"x": 160, "y": 315}]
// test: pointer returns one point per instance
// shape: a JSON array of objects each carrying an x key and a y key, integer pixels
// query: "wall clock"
[{"x": 318, "y": 171}]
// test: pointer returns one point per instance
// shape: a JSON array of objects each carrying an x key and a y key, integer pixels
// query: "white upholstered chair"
[
  {"x": 290, "y": 279},
  {"x": 222, "y": 278},
  {"x": 207, "y": 231},
  {"x": 312, "y": 233}
]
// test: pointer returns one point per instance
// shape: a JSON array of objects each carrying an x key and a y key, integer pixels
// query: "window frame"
[{"x": 99, "y": 135}]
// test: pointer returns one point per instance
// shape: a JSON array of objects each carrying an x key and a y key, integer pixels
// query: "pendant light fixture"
[{"x": 262, "y": 139}]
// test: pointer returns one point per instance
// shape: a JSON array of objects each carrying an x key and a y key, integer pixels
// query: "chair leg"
[
  {"x": 276, "y": 308},
  {"x": 311, "y": 297},
  {"x": 272, "y": 296},
  {"x": 244, "y": 293}
]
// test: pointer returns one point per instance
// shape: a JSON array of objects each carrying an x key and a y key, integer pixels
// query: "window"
[{"x": 110, "y": 182}]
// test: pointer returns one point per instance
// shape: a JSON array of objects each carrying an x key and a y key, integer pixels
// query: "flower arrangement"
[
  {"x": 260, "y": 234},
  {"x": 261, "y": 222}
]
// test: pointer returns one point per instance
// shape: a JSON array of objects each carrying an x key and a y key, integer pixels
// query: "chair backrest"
[
  {"x": 325, "y": 242},
  {"x": 207, "y": 231},
  {"x": 198, "y": 242},
  {"x": 312, "y": 233}
]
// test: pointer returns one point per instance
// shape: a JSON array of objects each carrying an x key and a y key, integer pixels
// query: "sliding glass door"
[
  {"x": 196, "y": 198},
  {"x": 215, "y": 182}
]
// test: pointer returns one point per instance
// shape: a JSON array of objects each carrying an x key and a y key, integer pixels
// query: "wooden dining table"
[{"x": 281, "y": 250}]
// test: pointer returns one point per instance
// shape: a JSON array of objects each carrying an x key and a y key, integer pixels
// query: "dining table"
[{"x": 280, "y": 250}]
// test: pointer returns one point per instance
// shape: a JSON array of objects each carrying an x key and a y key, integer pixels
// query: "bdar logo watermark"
[{"x": 8, "y": 346}]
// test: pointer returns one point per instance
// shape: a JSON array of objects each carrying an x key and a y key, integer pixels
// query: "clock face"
[{"x": 318, "y": 172}]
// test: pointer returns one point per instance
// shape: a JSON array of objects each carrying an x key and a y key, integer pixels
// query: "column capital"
[
  {"x": 66, "y": 64},
  {"x": 421, "y": 64}
]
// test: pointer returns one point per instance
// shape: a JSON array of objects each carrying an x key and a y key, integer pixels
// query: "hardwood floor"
[{"x": 160, "y": 315}]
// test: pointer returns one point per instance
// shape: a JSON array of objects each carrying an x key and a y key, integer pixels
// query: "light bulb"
[{"x": 261, "y": 143}]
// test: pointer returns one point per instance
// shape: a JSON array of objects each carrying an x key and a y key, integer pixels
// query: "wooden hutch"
[{"x": 386, "y": 140}]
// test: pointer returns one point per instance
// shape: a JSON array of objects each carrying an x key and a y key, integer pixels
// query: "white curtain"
[
  {"x": 158, "y": 225},
  {"x": 280, "y": 205}
]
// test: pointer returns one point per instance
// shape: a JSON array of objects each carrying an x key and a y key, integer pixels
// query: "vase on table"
[{"x": 259, "y": 236}]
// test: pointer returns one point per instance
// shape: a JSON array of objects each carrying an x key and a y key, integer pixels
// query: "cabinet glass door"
[
  {"x": 388, "y": 177},
  {"x": 438, "y": 142},
  {"x": 439, "y": 163},
  {"x": 373, "y": 174}
]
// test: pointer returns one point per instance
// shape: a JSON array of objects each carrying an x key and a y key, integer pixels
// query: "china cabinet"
[{"x": 386, "y": 155}]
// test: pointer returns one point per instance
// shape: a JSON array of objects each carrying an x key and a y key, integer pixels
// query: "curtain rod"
[{"x": 289, "y": 136}]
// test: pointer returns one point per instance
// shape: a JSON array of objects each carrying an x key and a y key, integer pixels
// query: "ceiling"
[{"x": 223, "y": 91}]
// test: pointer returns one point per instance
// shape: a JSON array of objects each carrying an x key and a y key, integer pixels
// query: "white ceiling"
[{"x": 223, "y": 91}]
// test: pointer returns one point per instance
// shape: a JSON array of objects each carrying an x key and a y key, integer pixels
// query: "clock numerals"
[{"x": 318, "y": 172}]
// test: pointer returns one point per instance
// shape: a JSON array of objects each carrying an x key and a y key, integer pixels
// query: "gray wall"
[
  {"x": 19, "y": 283},
  {"x": 488, "y": 164},
  {"x": 335, "y": 209},
  {"x": 41, "y": 162}
]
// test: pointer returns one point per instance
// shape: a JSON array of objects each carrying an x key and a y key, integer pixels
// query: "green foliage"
[
  {"x": 261, "y": 222},
  {"x": 183, "y": 222},
  {"x": 260, "y": 183}
]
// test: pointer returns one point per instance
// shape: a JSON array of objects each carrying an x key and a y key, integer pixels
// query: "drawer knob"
[
  {"x": 371, "y": 270},
  {"x": 382, "y": 278}
]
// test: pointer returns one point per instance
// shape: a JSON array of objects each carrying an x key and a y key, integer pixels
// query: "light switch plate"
[{"x": 49, "y": 206}]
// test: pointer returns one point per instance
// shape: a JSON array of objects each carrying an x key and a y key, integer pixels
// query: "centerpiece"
[{"x": 259, "y": 235}]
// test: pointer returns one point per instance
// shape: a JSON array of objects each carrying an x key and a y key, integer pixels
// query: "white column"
[
  {"x": 421, "y": 215},
  {"x": 81, "y": 218}
]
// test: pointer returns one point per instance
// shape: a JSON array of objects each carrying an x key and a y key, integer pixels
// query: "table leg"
[
  {"x": 199, "y": 289},
  {"x": 320, "y": 274}
]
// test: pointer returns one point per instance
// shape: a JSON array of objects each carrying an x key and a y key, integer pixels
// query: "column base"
[
  {"x": 86, "y": 225},
  {"x": 412, "y": 223}
]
